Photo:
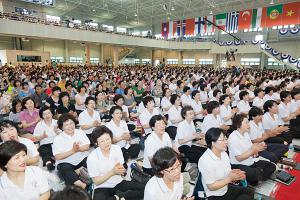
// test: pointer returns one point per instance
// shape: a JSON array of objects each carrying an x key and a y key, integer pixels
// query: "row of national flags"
[{"x": 277, "y": 15}]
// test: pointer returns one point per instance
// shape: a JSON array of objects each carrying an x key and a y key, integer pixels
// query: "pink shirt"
[{"x": 26, "y": 116}]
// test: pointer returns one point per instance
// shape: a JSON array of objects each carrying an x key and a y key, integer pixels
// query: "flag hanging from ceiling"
[
  {"x": 232, "y": 21},
  {"x": 209, "y": 26},
  {"x": 190, "y": 26},
  {"x": 165, "y": 29},
  {"x": 200, "y": 25},
  {"x": 256, "y": 18},
  {"x": 291, "y": 13},
  {"x": 221, "y": 20},
  {"x": 178, "y": 28},
  {"x": 245, "y": 19},
  {"x": 272, "y": 16},
  {"x": 170, "y": 29},
  {"x": 183, "y": 27}
]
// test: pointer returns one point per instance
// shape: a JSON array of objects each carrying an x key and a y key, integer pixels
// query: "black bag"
[{"x": 138, "y": 175}]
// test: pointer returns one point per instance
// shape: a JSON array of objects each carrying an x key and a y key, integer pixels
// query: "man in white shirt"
[
  {"x": 149, "y": 112},
  {"x": 186, "y": 99}
]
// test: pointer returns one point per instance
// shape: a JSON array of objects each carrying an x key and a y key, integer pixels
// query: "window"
[
  {"x": 205, "y": 61},
  {"x": 94, "y": 60},
  {"x": 50, "y": 18},
  {"x": 172, "y": 61},
  {"x": 137, "y": 61},
  {"x": 272, "y": 62},
  {"x": 57, "y": 59},
  {"x": 107, "y": 27},
  {"x": 281, "y": 27},
  {"x": 188, "y": 61},
  {"x": 250, "y": 61},
  {"x": 259, "y": 38},
  {"x": 76, "y": 60},
  {"x": 146, "y": 61},
  {"x": 121, "y": 30}
]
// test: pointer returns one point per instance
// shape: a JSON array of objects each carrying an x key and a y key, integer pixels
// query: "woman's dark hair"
[
  {"x": 202, "y": 87},
  {"x": 155, "y": 119},
  {"x": 237, "y": 121},
  {"x": 71, "y": 192},
  {"x": 254, "y": 112},
  {"x": 257, "y": 91},
  {"x": 184, "y": 110},
  {"x": 24, "y": 101},
  {"x": 25, "y": 83},
  {"x": 186, "y": 88},
  {"x": 242, "y": 94},
  {"x": 56, "y": 88},
  {"x": 212, "y": 135},
  {"x": 8, "y": 150},
  {"x": 163, "y": 159},
  {"x": 7, "y": 124},
  {"x": 269, "y": 89},
  {"x": 14, "y": 103},
  {"x": 113, "y": 109},
  {"x": 63, "y": 118},
  {"x": 211, "y": 106},
  {"x": 268, "y": 104},
  {"x": 98, "y": 132},
  {"x": 215, "y": 92},
  {"x": 44, "y": 108},
  {"x": 147, "y": 99},
  {"x": 62, "y": 95},
  {"x": 17, "y": 81},
  {"x": 127, "y": 89},
  {"x": 89, "y": 98},
  {"x": 117, "y": 97},
  {"x": 222, "y": 98},
  {"x": 173, "y": 98},
  {"x": 79, "y": 88},
  {"x": 284, "y": 94},
  {"x": 165, "y": 91},
  {"x": 194, "y": 93}
]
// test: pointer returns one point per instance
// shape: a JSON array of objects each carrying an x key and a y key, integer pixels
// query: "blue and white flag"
[
  {"x": 200, "y": 25},
  {"x": 183, "y": 24},
  {"x": 232, "y": 21},
  {"x": 178, "y": 29}
]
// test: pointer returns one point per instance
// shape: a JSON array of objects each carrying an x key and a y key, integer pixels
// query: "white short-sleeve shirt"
[
  {"x": 283, "y": 112},
  {"x": 85, "y": 119},
  {"x": 203, "y": 97},
  {"x": 197, "y": 107},
  {"x": 165, "y": 103},
  {"x": 152, "y": 144},
  {"x": 186, "y": 100},
  {"x": 42, "y": 128},
  {"x": 31, "y": 148},
  {"x": 238, "y": 144},
  {"x": 256, "y": 130},
  {"x": 267, "y": 98},
  {"x": 225, "y": 111},
  {"x": 118, "y": 131},
  {"x": 243, "y": 106},
  {"x": 258, "y": 102},
  {"x": 185, "y": 130},
  {"x": 213, "y": 169},
  {"x": 99, "y": 165},
  {"x": 156, "y": 189},
  {"x": 63, "y": 143},
  {"x": 174, "y": 114},
  {"x": 210, "y": 121},
  {"x": 268, "y": 122},
  {"x": 35, "y": 184},
  {"x": 145, "y": 117}
]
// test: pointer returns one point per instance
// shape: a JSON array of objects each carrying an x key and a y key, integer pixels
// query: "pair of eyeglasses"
[
  {"x": 223, "y": 140},
  {"x": 173, "y": 169}
]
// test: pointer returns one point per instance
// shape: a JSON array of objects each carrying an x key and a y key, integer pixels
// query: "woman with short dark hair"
[
  {"x": 106, "y": 166},
  {"x": 20, "y": 181}
]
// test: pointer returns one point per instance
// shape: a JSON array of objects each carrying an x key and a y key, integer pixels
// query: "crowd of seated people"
[{"x": 97, "y": 120}]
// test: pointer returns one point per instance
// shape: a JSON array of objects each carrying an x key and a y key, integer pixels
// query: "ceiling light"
[
  {"x": 272, "y": 2},
  {"x": 135, "y": 14},
  {"x": 211, "y": 12},
  {"x": 172, "y": 8}
]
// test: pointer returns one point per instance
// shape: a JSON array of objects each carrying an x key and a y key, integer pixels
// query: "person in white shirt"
[
  {"x": 20, "y": 181},
  {"x": 203, "y": 95},
  {"x": 106, "y": 166},
  {"x": 243, "y": 105},
  {"x": 173, "y": 85},
  {"x": 149, "y": 112},
  {"x": 213, "y": 87},
  {"x": 274, "y": 152},
  {"x": 80, "y": 99},
  {"x": 216, "y": 95},
  {"x": 268, "y": 93},
  {"x": 295, "y": 108},
  {"x": 70, "y": 149},
  {"x": 44, "y": 132},
  {"x": 258, "y": 100},
  {"x": 89, "y": 118},
  {"x": 213, "y": 119},
  {"x": 10, "y": 131},
  {"x": 186, "y": 98},
  {"x": 197, "y": 106},
  {"x": 270, "y": 121},
  {"x": 226, "y": 112},
  {"x": 284, "y": 111},
  {"x": 156, "y": 140},
  {"x": 165, "y": 101},
  {"x": 186, "y": 134},
  {"x": 243, "y": 153},
  {"x": 174, "y": 116},
  {"x": 119, "y": 101},
  {"x": 216, "y": 172},
  {"x": 167, "y": 184},
  {"x": 121, "y": 135}
]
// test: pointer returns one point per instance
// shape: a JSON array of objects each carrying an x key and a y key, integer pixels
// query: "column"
[
  {"x": 101, "y": 54},
  {"x": 115, "y": 56},
  {"x": 180, "y": 58},
  {"x": 263, "y": 61},
  {"x": 152, "y": 58},
  {"x": 66, "y": 52},
  {"x": 1, "y": 6},
  {"x": 87, "y": 53}
]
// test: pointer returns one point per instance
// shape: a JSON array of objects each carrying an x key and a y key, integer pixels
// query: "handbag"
[{"x": 138, "y": 175}]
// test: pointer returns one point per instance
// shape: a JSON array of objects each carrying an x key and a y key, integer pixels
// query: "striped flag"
[
  {"x": 221, "y": 20},
  {"x": 209, "y": 27},
  {"x": 171, "y": 29},
  {"x": 183, "y": 27},
  {"x": 232, "y": 20},
  {"x": 256, "y": 18},
  {"x": 178, "y": 29},
  {"x": 200, "y": 25}
]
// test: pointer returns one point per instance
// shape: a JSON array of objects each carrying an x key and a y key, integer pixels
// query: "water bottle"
[{"x": 291, "y": 151}]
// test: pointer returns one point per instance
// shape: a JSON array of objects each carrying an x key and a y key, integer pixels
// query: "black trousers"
[
  {"x": 259, "y": 171},
  {"x": 132, "y": 152},
  {"x": 274, "y": 152},
  {"x": 193, "y": 153},
  {"x": 130, "y": 190},
  {"x": 67, "y": 171},
  {"x": 235, "y": 192},
  {"x": 280, "y": 139},
  {"x": 45, "y": 151}
]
